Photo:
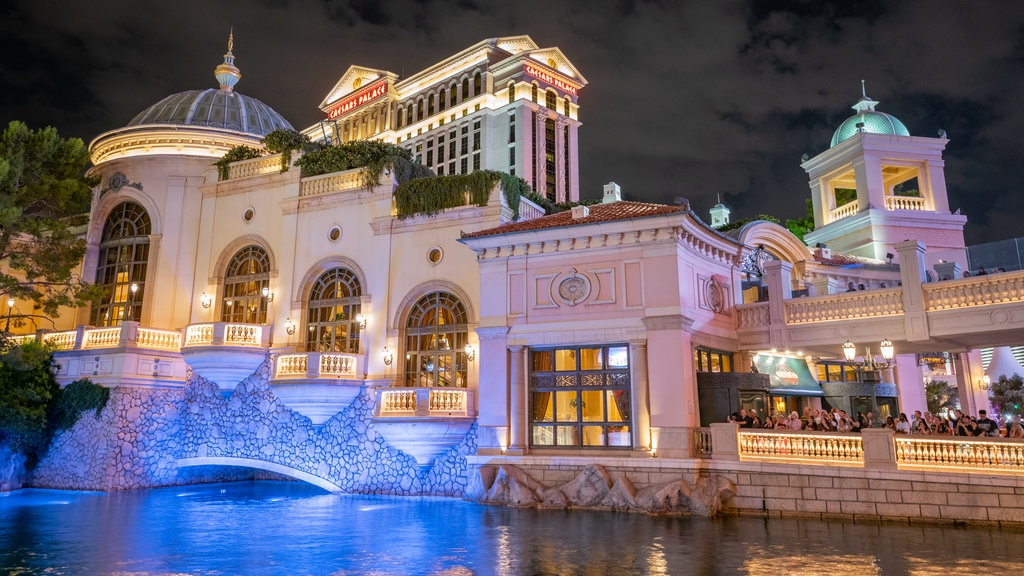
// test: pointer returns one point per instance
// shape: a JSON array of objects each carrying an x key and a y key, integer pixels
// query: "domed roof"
[
  {"x": 867, "y": 119},
  {"x": 215, "y": 108}
]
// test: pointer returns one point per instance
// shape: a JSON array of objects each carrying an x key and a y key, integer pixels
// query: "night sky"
[{"x": 685, "y": 99}]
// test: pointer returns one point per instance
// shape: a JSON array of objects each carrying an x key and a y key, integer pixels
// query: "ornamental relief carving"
[
  {"x": 712, "y": 294},
  {"x": 574, "y": 288}
]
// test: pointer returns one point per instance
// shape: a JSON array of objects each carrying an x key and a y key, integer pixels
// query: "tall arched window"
[
  {"x": 435, "y": 342},
  {"x": 477, "y": 84},
  {"x": 334, "y": 305},
  {"x": 511, "y": 92},
  {"x": 247, "y": 275},
  {"x": 533, "y": 93},
  {"x": 124, "y": 254},
  {"x": 465, "y": 89},
  {"x": 441, "y": 100},
  {"x": 551, "y": 100},
  {"x": 453, "y": 94}
]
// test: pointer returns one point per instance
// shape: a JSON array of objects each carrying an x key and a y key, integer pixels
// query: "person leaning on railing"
[{"x": 1013, "y": 428}]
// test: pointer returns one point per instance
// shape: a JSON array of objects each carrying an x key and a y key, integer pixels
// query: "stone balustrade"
[
  {"x": 334, "y": 182},
  {"x": 424, "y": 402},
  {"x": 254, "y": 167},
  {"x": 845, "y": 306},
  {"x": 889, "y": 451},
  {"x": 844, "y": 211},
  {"x": 227, "y": 334},
  {"x": 126, "y": 334},
  {"x": 904, "y": 203},
  {"x": 1001, "y": 288},
  {"x": 316, "y": 364},
  {"x": 753, "y": 316}
]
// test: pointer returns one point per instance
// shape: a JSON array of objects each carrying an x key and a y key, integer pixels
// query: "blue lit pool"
[{"x": 293, "y": 528}]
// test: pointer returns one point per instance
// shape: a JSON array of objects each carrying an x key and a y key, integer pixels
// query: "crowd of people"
[{"x": 955, "y": 424}]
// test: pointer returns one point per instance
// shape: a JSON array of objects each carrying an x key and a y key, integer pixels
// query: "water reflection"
[{"x": 292, "y": 528}]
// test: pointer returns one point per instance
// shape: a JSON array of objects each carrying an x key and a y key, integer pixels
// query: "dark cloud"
[{"x": 685, "y": 99}]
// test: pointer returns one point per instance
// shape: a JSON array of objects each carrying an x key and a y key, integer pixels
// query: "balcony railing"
[
  {"x": 939, "y": 453},
  {"x": 128, "y": 334},
  {"x": 845, "y": 306},
  {"x": 424, "y": 402},
  {"x": 1002, "y": 288},
  {"x": 904, "y": 203},
  {"x": 254, "y": 167},
  {"x": 334, "y": 182},
  {"x": 316, "y": 365},
  {"x": 227, "y": 334},
  {"x": 843, "y": 211}
]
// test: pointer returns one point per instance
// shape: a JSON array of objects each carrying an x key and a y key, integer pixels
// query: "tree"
[
  {"x": 940, "y": 395},
  {"x": 1007, "y": 395},
  {"x": 28, "y": 394},
  {"x": 44, "y": 203},
  {"x": 801, "y": 226}
]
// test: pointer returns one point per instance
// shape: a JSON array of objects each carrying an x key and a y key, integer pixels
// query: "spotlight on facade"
[
  {"x": 470, "y": 352},
  {"x": 361, "y": 321},
  {"x": 206, "y": 300},
  {"x": 387, "y": 356}
]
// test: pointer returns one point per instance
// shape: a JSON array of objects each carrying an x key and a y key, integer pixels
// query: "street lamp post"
[
  {"x": 10, "y": 309},
  {"x": 131, "y": 302}
]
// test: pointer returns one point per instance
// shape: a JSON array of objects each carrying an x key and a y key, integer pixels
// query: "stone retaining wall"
[
  {"x": 142, "y": 433},
  {"x": 774, "y": 489}
]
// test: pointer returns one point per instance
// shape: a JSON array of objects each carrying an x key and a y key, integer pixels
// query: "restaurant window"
[
  {"x": 334, "y": 304},
  {"x": 708, "y": 360},
  {"x": 580, "y": 397},
  {"x": 836, "y": 372},
  {"x": 247, "y": 274},
  {"x": 123, "y": 258},
  {"x": 435, "y": 342}
]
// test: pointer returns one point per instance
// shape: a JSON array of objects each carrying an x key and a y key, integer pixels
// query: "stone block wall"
[{"x": 142, "y": 433}]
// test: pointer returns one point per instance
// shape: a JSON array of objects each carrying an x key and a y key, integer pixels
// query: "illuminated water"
[{"x": 292, "y": 528}]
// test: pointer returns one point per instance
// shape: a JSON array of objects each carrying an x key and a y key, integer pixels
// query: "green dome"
[{"x": 867, "y": 119}]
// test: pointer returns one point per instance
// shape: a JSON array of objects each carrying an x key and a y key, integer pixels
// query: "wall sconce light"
[
  {"x": 289, "y": 326},
  {"x": 984, "y": 383},
  {"x": 206, "y": 300},
  {"x": 10, "y": 309},
  {"x": 387, "y": 356},
  {"x": 470, "y": 352},
  {"x": 268, "y": 294},
  {"x": 888, "y": 353},
  {"x": 361, "y": 321}
]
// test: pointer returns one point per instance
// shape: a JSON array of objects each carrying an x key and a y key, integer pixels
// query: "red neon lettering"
[
  {"x": 354, "y": 101},
  {"x": 552, "y": 79}
]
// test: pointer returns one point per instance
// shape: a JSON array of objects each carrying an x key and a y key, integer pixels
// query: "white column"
[
  {"x": 518, "y": 402},
  {"x": 640, "y": 402}
]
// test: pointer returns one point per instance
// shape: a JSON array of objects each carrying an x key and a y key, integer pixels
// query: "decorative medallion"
[
  {"x": 714, "y": 296},
  {"x": 117, "y": 181},
  {"x": 574, "y": 288}
]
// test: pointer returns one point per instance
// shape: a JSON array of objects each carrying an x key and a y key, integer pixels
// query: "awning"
[{"x": 788, "y": 376}]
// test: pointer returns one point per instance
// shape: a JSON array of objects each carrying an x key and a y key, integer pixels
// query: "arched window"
[
  {"x": 441, "y": 102},
  {"x": 334, "y": 304},
  {"x": 453, "y": 95},
  {"x": 551, "y": 100},
  {"x": 400, "y": 117},
  {"x": 430, "y": 105},
  {"x": 247, "y": 275},
  {"x": 533, "y": 93},
  {"x": 124, "y": 254},
  {"x": 419, "y": 109},
  {"x": 435, "y": 342},
  {"x": 477, "y": 84},
  {"x": 565, "y": 106},
  {"x": 511, "y": 92},
  {"x": 408, "y": 115},
  {"x": 465, "y": 89}
]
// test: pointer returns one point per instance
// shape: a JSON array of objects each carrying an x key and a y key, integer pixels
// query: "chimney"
[
  {"x": 580, "y": 212},
  {"x": 612, "y": 193}
]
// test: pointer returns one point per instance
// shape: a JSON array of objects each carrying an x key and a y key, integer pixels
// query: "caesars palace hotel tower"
[{"x": 501, "y": 104}]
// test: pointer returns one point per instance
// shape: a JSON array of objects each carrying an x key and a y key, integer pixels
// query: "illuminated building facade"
[{"x": 502, "y": 104}]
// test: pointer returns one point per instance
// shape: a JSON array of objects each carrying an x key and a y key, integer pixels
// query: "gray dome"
[{"x": 214, "y": 108}]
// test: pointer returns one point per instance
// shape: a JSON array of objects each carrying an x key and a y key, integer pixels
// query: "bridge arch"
[{"x": 262, "y": 465}]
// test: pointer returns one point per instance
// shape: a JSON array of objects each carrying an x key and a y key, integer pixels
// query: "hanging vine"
[
  {"x": 284, "y": 142},
  {"x": 431, "y": 196}
]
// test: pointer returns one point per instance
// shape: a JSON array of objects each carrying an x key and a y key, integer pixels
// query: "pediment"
[
  {"x": 355, "y": 78},
  {"x": 554, "y": 59}
]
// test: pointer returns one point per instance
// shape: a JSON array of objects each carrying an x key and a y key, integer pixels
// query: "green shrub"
[
  {"x": 77, "y": 398},
  {"x": 236, "y": 154}
]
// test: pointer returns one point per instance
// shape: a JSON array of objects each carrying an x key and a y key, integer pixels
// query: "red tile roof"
[{"x": 621, "y": 210}]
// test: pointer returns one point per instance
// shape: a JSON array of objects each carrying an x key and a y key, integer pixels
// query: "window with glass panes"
[
  {"x": 580, "y": 397},
  {"x": 123, "y": 258},
  {"x": 331, "y": 320},
  {"x": 435, "y": 342},
  {"x": 247, "y": 274},
  {"x": 836, "y": 372},
  {"x": 708, "y": 360}
]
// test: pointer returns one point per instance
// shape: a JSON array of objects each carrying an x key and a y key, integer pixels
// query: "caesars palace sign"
[
  {"x": 552, "y": 79},
  {"x": 369, "y": 94}
]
